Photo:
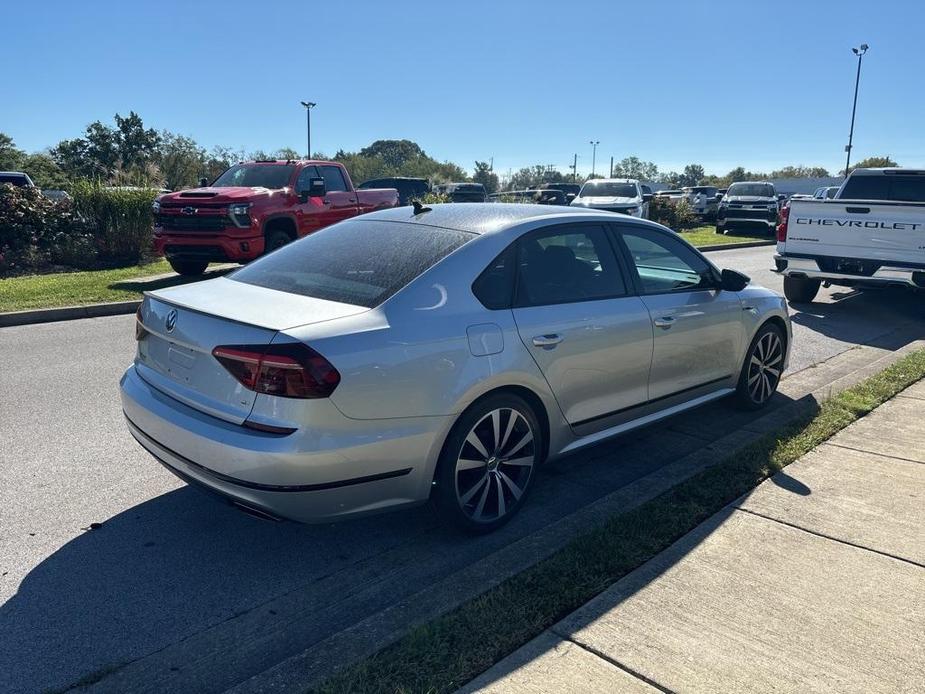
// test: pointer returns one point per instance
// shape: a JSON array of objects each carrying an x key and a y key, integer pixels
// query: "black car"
[
  {"x": 407, "y": 188},
  {"x": 463, "y": 192},
  {"x": 571, "y": 190}
]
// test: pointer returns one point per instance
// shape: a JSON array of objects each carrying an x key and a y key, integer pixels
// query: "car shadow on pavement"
[
  {"x": 147, "y": 285},
  {"x": 863, "y": 317},
  {"x": 174, "y": 574}
]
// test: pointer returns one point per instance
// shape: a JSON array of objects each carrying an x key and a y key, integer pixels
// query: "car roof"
[
  {"x": 613, "y": 180},
  {"x": 483, "y": 218}
]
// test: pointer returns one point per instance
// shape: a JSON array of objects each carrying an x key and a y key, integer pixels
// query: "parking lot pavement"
[
  {"x": 174, "y": 588},
  {"x": 814, "y": 582}
]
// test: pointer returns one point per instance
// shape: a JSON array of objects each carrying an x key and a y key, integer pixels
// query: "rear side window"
[
  {"x": 901, "y": 188},
  {"x": 333, "y": 179},
  {"x": 358, "y": 262}
]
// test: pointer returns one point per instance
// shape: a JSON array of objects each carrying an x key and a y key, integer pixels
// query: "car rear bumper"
[
  {"x": 884, "y": 275},
  {"x": 334, "y": 469},
  {"x": 210, "y": 247}
]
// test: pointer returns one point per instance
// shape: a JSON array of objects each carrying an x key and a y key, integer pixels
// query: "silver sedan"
[{"x": 439, "y": 354}]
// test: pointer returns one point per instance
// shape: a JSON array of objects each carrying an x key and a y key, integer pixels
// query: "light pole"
[
  {"x": 309, "y": 105},
  {"x": 594, "y": 144},
  {"x": 859, "y": 52}
]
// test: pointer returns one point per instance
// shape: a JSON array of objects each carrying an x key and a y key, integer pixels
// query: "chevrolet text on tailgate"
[
  {"x": 256, "y": 207},
  {"x": 871, "y": 234}
]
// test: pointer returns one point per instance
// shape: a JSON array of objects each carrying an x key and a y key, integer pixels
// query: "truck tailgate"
[{"x": 886, "y": 231}]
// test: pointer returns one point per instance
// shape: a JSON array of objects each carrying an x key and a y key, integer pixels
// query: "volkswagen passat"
[{"x": 439, "y": 354}]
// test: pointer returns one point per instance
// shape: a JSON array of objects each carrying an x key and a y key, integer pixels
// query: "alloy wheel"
[
  {"x": 764, "y": 367},
  {"x": 494, "y": 465}
]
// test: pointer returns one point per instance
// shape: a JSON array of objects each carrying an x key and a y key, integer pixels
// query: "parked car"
[
  {"x": 720, "y": 192},
  {"x": 256, "y": 207},
  {"x": 463, "y": 192},
  {"x": 704, "y": 200},
  {"x": 541, "y": 196},
  {"x": 748, "y": 204},
  {"x": 825, "y": 192},
  {"x": 571, "y": 190},
  {"x": 309, "y": 384},
  {"x": 623, "y": 195},
  {"x": 17, "y": 179},
  {"x": 408, "y": 188},
  {"x": 673, "y": 195},
  {"x": 871, "y": 234}
]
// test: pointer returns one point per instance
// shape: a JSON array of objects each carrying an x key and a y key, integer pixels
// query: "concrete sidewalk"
[{"x": 814, "y": 582}]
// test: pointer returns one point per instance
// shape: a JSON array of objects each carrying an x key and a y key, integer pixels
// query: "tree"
[
  {"x": 394, "y": 153},
  {"x": 873, "y": 163},
  {"x": 181, "y": 160},
  {"x": 484, "y": 175},
  {"x": 692, "y": 175},
  {"x": 44, "y": 172},
  {"x": 136, "y": 146},
  {"x": 11, "y": 157},
  {"x": 633, "y": 167},
  {"x": 287, "y": 153},
  {"x": 103, "y": 152},
  {"x": 800, "y": 172}
]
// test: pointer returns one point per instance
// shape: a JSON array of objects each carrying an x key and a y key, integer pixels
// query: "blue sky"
[{"x": 758, "y": 84}]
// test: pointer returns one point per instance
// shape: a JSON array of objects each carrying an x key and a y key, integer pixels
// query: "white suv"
[{"x": 623, "y": 195}]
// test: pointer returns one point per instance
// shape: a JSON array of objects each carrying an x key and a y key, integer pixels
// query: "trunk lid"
[
  {"x": 184, "y": 324},
  {"x": 857, "y": 229}
]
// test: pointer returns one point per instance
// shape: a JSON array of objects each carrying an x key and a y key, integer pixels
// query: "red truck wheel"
[
  {"x": 188, "y": 267},
  {"x": 276, "y": 239}
]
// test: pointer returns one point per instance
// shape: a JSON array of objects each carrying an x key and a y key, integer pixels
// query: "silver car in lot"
[{"x": 442, "y": 354}]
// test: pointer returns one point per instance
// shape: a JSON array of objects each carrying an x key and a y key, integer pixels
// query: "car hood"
[
  {"x": 217, "y": 195},
  {"x": 750, "y": 199},
  {"x": 604, "y": 200}
]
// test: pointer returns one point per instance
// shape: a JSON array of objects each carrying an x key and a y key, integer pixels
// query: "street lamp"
[
  {"x": 859, "y": 52},
  {"x": 309, "y": 105},
  {"x": 594, "y": 144}
]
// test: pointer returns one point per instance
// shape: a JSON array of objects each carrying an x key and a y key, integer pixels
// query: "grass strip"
[
  {"x": 451, "y": 650},
  {"x": 90, "y": 287},
  {"x": 707, "y": 236}
]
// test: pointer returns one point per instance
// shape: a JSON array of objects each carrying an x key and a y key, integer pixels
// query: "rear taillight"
[
  {"x": 289, "y": 370},
  {"x": 140, "y": 331},
  {"x": 782, "y": 227}
]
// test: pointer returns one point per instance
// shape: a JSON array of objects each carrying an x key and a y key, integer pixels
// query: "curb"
[
  {"x": 47, "y": 315},
  {"x": 732, "y": 246}
]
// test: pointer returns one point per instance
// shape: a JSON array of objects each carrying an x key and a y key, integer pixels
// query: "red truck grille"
[{"x": 194, "y": 222}]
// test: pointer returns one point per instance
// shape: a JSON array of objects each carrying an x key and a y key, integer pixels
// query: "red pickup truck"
[{"x": 256, "y": 207}]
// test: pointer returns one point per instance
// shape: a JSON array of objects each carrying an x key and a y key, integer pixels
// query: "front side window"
[
  {"x": 664, "y": 264},
  {"x": 273, "y": 176},
  {"x": 566, "y": 265},
  {"x": 359, "y": 262},
  {"x": 305, "y": 177}
]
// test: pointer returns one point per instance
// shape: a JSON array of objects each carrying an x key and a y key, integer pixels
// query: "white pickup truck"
[{"x": 871, "y": 234}]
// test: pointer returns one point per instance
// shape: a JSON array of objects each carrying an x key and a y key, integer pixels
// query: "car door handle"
[
  {"x": 664, "y": 322},
  {"x": 547, "y": 340}
]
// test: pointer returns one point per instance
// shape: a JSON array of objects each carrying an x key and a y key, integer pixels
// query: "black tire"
[
  {"x": 276, "y": 239},
  {"x": 800, "y": 290},
  {"x": 719, "y": 230},
  {"x": 761, "y": 371},
  {"x": 188, "y": 268},
  {"x": 479, "y": 491}
]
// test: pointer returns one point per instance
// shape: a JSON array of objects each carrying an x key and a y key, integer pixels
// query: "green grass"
[
  {"x": 449, "y": 651},
  {"x": 707, "y": 236},
  {"x": 77, "y": 288}
]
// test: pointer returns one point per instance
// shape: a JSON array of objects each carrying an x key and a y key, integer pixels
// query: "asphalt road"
[{"x": 168, "y": 563}]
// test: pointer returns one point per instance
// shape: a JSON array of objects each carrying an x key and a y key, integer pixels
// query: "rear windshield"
[
  {"x": 902, "y": 187},
  {"x": 616, "y": 190},
  {"x": 13, "y": 179},
  {"x": 758, "y": 190},
  {"x": 273, "y": 176},
  {"x": 359, "y": 262}
]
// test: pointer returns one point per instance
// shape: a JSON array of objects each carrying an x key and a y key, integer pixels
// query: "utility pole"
[
  {"x": 859, "y": 52},
  {"x": 574, "y": 168},
  {"x": 309, "y": 105},
  {"x": 611, "y": 166},
  {"x": 594, "y": 144}
]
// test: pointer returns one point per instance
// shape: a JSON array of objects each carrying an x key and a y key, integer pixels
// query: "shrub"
[
  {"x": 434, "y": 198},
  {"x": 120, "y": 219},
  {"x": 674, "y": 215},
  {"x": 36, "y": 231}
]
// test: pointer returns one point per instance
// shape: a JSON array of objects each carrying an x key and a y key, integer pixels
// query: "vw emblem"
[
  {"x": 189, "y": 210},
  {"x": 171, "y": 321}
]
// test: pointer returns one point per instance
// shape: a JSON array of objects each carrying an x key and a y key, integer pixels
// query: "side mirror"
[
  {"x": 315, "y": 189},
  {"x": 203, "y": 182},
  {"x": 647, "y": 197},
  {"x": 733, "y": 281}
]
